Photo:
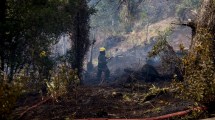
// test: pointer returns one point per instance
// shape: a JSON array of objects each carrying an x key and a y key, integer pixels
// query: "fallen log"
[
  {"x": 163, "y": 117},
  {"x": 34, "y": 106}
]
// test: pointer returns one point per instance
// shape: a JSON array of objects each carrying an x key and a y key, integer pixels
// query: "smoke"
[
  {"x": 129, "y": 49},
  {"x": 62, "y": 46}
]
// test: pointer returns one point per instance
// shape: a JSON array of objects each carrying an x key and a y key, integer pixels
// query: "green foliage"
[
  {"x": 154, "y": 90},
  {"x": 197, "y": 67},
  {"x": 28, "y": 29},
  {"x": 143, "y": 14},
  {"x": 33, "y": 26},
  {"x": 171, "y": 63},
  {"x": 62, "y": 81},
  {"x": 44, "y": 66},
  {"x": 199, "y": 71},
  {"x": 30, "y": 26},
  {"x": 162, "y": 42},
  {"x": 9, "y": 94}
]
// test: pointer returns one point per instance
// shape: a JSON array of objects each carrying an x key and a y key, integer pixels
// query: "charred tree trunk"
[
  {"x": 80, "y": 36},
  {"x": 90, "y": 63},
  {"x": 3, "y": 8}
]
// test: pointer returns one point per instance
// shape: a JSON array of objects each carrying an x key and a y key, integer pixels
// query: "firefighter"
[{"x": 102, "y": 65}]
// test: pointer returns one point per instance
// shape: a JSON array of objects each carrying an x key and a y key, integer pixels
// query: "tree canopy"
[{"x": 29, "y": 27}]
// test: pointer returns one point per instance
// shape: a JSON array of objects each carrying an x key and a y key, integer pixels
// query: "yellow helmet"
[
  {"x": 102, "y": 49},
  {"x": 43, "y": 54}
]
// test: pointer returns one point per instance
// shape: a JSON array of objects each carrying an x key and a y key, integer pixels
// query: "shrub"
[
  {"x": 62, "y": 81},
  {"x": 199, "y": 75},
  {"x": 9, "y": 92}
]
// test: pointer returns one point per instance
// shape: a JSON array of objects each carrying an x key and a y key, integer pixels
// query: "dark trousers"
[{"x": 105, "y": 70}]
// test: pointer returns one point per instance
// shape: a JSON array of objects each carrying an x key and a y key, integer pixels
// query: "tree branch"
[
  {"x": 96, "y": 3},
  {"x": 34, "y": 106}
]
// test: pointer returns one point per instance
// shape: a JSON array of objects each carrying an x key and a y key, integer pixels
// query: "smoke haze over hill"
[{"x": 138, "y": 23}]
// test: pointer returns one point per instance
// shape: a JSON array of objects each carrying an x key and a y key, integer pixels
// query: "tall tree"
[
  {"x": 2, "y": 31},
  {"x": 200, "y": 82},
  {"x": 80, "y": 35},
  {"x": 27, "y": 28}
]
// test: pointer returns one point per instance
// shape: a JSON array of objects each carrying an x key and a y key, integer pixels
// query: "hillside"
[{"x": 128, "y": 45}]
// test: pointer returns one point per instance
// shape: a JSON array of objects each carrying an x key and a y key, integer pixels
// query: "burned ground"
[
  {"x": 103, "y": 102},
  {"x": 125, "y": 96}
]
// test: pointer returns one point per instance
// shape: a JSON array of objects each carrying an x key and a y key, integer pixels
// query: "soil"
[{"x": 101, "y": 101}]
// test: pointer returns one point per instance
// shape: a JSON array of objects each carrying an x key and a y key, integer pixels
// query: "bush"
[
  {"x": 198, "y": 68},
  {"x": 199, "y": 83},
  {"x": 9, "y": 92},
  {"x": 62, "y": 81}
]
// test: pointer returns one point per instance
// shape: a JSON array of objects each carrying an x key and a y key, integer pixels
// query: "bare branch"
[
  {"x": 96, "y": 3},
  {"x": 119, "y": 5}
]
